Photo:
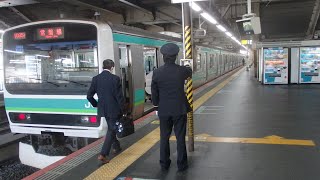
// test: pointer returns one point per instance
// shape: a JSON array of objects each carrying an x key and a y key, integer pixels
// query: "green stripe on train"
[
  {"x": 139, "y": 97},
  {"x": 140, "y": 40},
  {"x": 80, "y": 111}
]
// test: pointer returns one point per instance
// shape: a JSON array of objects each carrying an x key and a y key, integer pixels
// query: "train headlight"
[{"x": 84, "y": 119}]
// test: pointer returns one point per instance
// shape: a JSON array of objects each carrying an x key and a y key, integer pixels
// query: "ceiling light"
[
  {"x": 243, "y": 52},
  {"x": 234, "y": 38},
  {"x": 183, "y": 1},
  {"x": 195, "y": 6},
  {"x": 16, "y": 52},
  {"x": 228, "y": 34},
  {"x": 221, "y": 28},
  {"x": 244, "y": 47},
  {"x": 209, "y": 18},
  {"x": 1, "y": 31}
]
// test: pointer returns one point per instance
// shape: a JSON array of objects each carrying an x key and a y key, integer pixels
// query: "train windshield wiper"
[{"x": 75, "y": 82}]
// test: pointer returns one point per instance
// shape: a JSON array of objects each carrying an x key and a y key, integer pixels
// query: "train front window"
[{"x": 62, "y": 65}]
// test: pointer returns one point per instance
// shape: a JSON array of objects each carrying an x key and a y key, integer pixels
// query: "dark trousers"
[
  {"x": 179, "y": 123},
  {"x": 111, "y": 138}
]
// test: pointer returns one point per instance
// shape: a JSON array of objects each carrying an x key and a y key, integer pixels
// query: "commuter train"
[{"x": 49, "y": 65}]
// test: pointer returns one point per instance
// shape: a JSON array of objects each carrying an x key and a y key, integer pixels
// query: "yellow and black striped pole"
[{"x": 188, "y": 55}]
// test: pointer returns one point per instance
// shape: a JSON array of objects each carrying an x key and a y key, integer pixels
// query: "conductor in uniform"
[{"x": 168, "y": 96}]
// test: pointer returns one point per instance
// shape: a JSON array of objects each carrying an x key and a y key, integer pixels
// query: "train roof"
[{"x": 123, "y": 29}]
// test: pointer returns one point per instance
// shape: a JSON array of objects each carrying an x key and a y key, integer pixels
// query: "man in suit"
[
  {"x": 169, "y": 98},
  {"x": 110, "y": 105}
]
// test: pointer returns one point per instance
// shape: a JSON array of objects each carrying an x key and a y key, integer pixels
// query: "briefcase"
[{"x": 125, "y": 127}]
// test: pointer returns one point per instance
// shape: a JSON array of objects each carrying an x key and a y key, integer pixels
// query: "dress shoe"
[{"x": 103, "y": 159}]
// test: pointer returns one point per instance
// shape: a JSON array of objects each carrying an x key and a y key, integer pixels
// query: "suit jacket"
[
  {"x": 167, "y": 88},
  {"x": 110, "y": 98}
]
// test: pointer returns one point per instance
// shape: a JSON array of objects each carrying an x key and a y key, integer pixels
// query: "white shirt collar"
[{"x": 107, "y": 70}]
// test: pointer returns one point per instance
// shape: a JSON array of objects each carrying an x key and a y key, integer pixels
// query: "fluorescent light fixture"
[
  {"x": 234, "y": 38},
  {"x": 221, "y": 28},
  {"x": 183, "y": 1},
  {"x": 228, "y": 34},
  {"x": 244, "y": 47},
  {"x": 16, "y": 52},
  {"x": 243, "y": 52},
  {"x": 209, "y": 18},
  {"x": 39, "y": 55},
  {"x": 195, "y": 6},
  {"x": 1, "y": 31}
]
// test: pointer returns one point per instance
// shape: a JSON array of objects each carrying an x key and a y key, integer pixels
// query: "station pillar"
[{"x": 188, "y": 54}]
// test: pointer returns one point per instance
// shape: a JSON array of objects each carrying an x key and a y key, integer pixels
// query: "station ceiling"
[{"x": 280, "y": 19}]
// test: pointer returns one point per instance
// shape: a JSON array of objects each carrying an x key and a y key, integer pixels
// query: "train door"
[
  {"x": 150, "y": 64},
  {"x": 226, "y": 63},
  {"x": 220, "y": 64},
  {"x": 131, "y": 70},
  {"x": 125, "y": 72},
  {"x": 216, "y": 64},
  {"x": 210, "y": 67},
  {"x": 223, "y": 64},
  {"x": 205, "y": 68}
]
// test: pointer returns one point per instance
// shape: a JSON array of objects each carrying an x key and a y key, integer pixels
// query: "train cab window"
[
  {"x": 64, "y": 65},
  {"x": 85, "y": 59}
]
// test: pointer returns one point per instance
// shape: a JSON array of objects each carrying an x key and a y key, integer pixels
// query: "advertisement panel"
[
  {"x": 275, "y": 65},
  {"x": 309, "y": 64}
]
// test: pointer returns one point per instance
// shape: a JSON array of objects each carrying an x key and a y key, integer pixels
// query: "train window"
[
  {"x": 199, "y": 58},
  {"x": 123, "y": 56},
  {"x": 211, "y": 63},
  {"x": 150, "y": 59},
  {"x": 204, "y": 60}
]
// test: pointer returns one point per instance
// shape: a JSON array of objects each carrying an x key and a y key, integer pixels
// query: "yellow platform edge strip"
[
  {"x": 121, "y": 162},
  {"x": 295, "y": 142}
]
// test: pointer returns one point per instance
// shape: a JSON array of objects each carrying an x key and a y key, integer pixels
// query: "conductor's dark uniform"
[
  {"x": 111, "y": 105},
  {"x": 168, "y": 95}
]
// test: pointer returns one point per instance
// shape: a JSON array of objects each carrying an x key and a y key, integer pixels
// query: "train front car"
[{"x": 48, "y": 68}]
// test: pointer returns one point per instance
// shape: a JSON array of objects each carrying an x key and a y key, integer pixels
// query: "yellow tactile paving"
[
  {"x": 266, "y": 140},
  {"x": 126, "y": 158},
  {"x": 130, "y": 155}
]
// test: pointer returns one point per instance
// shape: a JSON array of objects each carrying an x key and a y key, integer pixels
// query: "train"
[{"x": 49, "y": 65}]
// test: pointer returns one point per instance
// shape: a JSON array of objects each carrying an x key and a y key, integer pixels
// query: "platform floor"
[{"x": 244, "y": 130}]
